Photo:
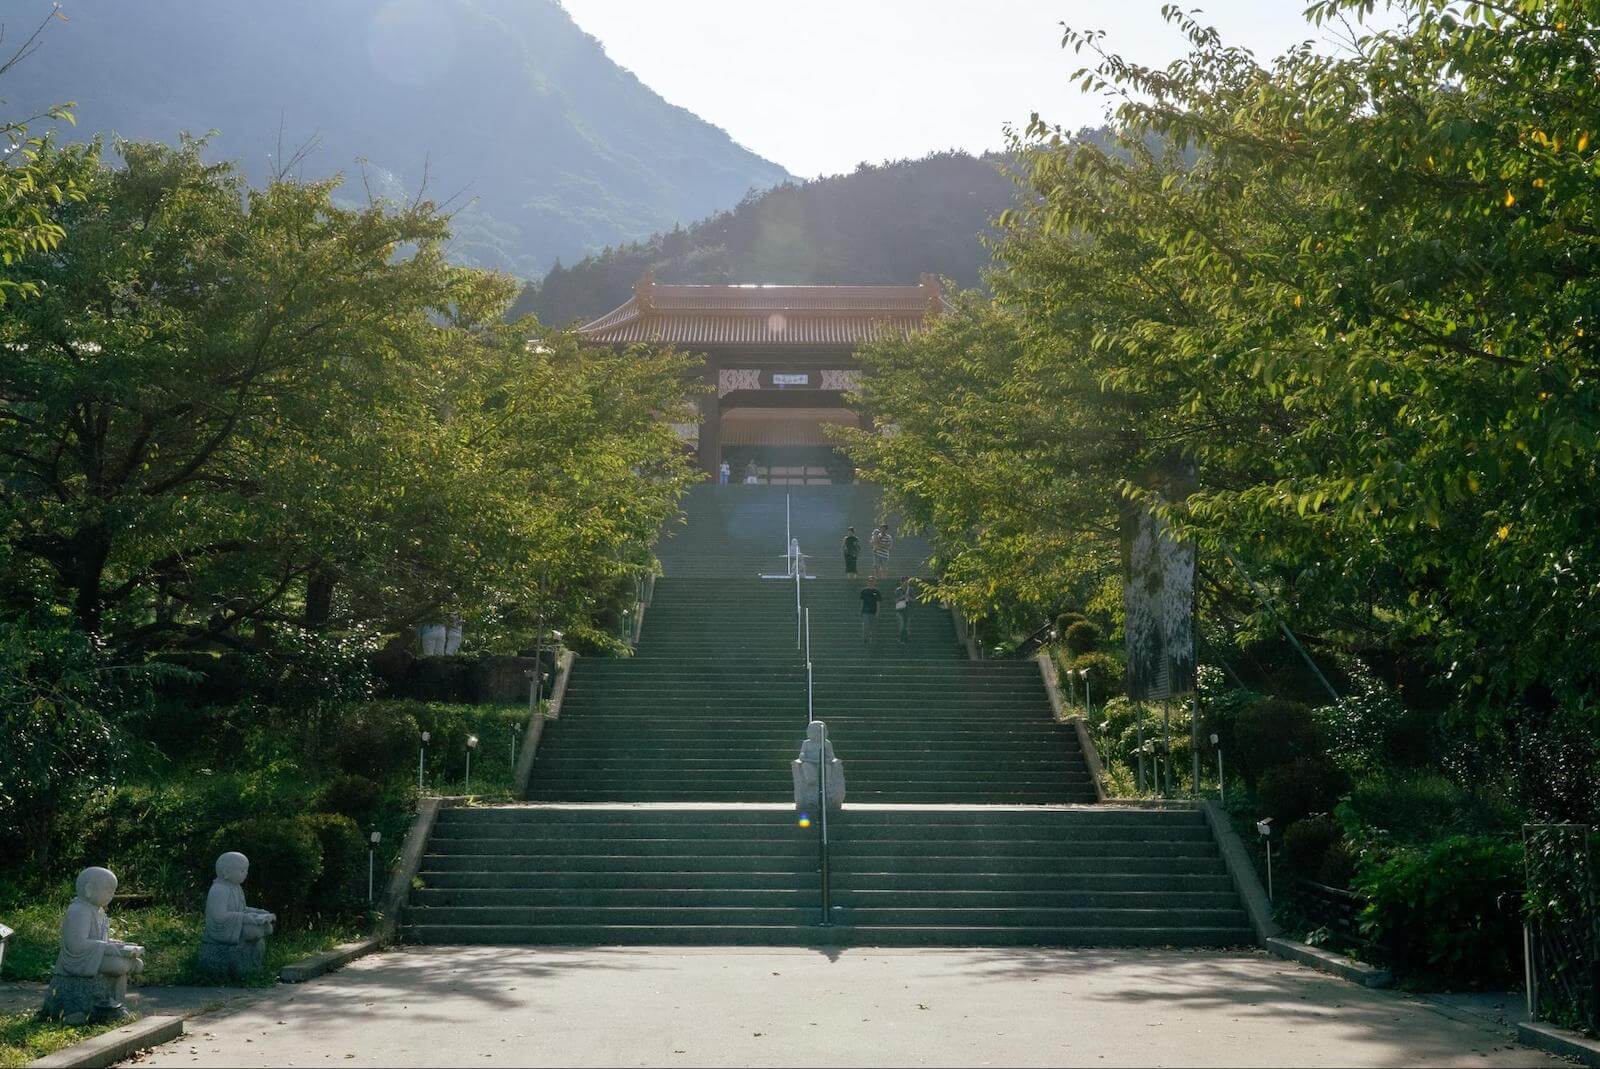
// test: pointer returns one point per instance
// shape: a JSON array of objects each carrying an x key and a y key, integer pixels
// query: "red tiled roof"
[{"x": 765, "y": 315}]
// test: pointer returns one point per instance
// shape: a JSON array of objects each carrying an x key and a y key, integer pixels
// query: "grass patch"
[
  {"x": 23, "y": 1037},
  {"x": 171, "y": 939}
]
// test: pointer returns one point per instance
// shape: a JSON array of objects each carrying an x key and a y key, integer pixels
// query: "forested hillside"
[
  {"x": 542, "y": 147},
  {"x": 878, "y": 224}
]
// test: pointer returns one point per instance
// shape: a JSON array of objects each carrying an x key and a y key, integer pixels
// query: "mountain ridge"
[{"x": 506, "y": 104}]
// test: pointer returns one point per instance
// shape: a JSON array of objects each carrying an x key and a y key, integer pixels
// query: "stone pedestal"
[
  {"x": 235, "y": 961},
  {"x": 84, "y": 999}
]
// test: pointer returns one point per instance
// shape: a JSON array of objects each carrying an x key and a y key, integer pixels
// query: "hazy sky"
[{"x": 821, "y": 85}]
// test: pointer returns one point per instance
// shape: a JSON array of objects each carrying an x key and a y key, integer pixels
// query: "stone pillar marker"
[
  {"x": 90, "y": 978},
  {"x": 234, "y": 942}
]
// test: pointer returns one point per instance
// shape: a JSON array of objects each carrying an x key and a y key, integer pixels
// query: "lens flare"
[{"x": 805, "y": 820}]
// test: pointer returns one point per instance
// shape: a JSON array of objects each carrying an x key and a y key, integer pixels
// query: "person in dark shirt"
[
  {"x": 870, "y": 596},
  {"x": 852, "y": 552}
]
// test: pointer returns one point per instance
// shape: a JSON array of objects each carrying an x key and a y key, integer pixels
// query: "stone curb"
[
  {"x": 1562, "y": 1041},
  {"x": 1256, "y": 904},
  {"x": 298, "y": 972},
  {"x": 112, "y": 1047},
  {"x": 1357, "y": 972}
]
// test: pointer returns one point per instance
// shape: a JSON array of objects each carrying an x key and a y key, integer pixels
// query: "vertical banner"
[{"x": 1158, "y": 599}]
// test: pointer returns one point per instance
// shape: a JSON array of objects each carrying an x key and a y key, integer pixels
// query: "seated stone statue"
[
  {"x": 90, "y": 979},
  {"x": 808, "y": 766},
  {"x": 234, "y": 942}
]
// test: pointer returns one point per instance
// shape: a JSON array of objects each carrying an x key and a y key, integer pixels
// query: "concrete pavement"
[{"x": 457, "y": 1006}]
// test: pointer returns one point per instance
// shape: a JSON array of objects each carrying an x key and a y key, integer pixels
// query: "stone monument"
[
  {"x": 90, "y": 979},
  {"x": 808, "y": 768},
  {"x": 234, "y": 942}
]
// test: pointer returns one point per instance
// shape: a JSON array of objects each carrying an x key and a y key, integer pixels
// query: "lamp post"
[
  {"x": 372, "y": 849},
  {"x": 1072, "y": 687},
  {"x": 516, "y": 729},
  {"x": 422, "y": 753},
  {"x": 1222, "y": 787},
  {"x": 1088, "y": 705},
  {"x": 1264, "y": 826},
  {"x": 472, "y": 744}
]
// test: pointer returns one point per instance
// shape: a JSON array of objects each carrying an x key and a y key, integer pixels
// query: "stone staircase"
[{"x": 659, "y": 801}]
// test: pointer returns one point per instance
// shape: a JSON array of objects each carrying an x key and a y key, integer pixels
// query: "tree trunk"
[
  {"x": 90, "y": 549},
  {"x": 319, "y": 600}
]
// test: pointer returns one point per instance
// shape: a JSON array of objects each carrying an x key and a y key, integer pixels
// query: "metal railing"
[{"x": 1561, "y": 926}]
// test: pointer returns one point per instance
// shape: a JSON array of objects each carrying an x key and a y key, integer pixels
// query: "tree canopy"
[
  {"x": 227, "y": 410},
  {"x": 1350, "y": 296}
]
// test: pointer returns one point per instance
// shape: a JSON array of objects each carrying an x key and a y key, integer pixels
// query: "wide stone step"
[
  {"x": 813, "y": 935},
  {"x": 843, "y": 881},
  {"x": 616, "y": 862},
  {"x": 716, "y": 897},
  {"x": 444, "y": 846},
  {"x": 634, "y": 880}
]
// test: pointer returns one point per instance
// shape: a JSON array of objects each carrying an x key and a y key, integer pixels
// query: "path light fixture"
[
  {"x": 1072, "y": 687},
  {"x": 516, "y": 730},
  {"x": 1264, "y": 826},
  {"x": 1088, "y": 706},
  {"x": 372, "y": 848},
  {"x": 472, "y": 744},
  {"x": 1222, "y": 787},
  {"x": 422, "y": 752}
]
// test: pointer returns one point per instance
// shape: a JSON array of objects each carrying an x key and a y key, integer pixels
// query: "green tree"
[
  {"x": 231, "y": 410},
  {"x": 1352, "y": 293}
]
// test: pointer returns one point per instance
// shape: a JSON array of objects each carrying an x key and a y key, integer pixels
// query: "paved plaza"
[{"x": 458, "y": 1006}]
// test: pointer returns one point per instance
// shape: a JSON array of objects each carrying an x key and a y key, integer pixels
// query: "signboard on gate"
[{"x": 782, "y": 379}]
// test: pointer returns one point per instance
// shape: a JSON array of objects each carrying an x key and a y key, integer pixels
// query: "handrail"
[
  {"x": 822, "y": 839},
  {"x": 796, "y": 565},
  {"x": 810, "y": 714}
]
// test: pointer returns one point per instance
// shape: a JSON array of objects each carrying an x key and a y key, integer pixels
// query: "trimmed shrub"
[
  {"x": 1338, "y": 867},
  {"x": 1307, "y": 842},
  {"x": 1270, "y": 733},
  {"x": 1082, "y": 637},
  {"x": 1420, "y": 807},
  {"x": 1106, "y": 675},
  {"x": 376, "y": 740},
  {"x": 355, "y": 797},
  {"x": 1066, "y": 620},
  {"x": 1304, "y": 786},
  {"x": 285, "y": 860},
  {"x": 1448, "y": 912},
  {"x": 344, "y": 856}
]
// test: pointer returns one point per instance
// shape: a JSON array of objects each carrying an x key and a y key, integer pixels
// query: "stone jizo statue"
[
  {"x": 234, "y": 942},
  {"x": 90, "y": 979},
  {"x": 808, "y": 766}
]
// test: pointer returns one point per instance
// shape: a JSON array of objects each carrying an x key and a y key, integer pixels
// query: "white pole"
[{"x": 369, "y": 875}]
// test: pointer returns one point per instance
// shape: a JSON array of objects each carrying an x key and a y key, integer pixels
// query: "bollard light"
[
  {"x": 422, "y": 752},
  {"x": 1222, "y": 786},
  {"x": 472, "y": 744}
]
